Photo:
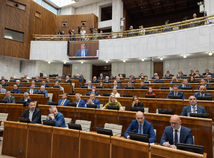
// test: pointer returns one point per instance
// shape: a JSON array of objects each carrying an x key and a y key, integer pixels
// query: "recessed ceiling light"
[
  {"x": 49, "y": 62},
  {"x": 161, "y": 58},
  {"x": 107, "y": 61},
  {"x": 210, "y": 53},
  {"x": 142, "y": 59},
  {"x": 82, "y": 62},
  {"x": 184, "y": 56}
]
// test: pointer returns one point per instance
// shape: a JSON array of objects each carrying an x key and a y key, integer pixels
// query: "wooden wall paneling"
[
  {"x": 94, "y": 145},
  {"x": 39, "y": 141},
  {"x": 65, "y": 143},
  {"x": 15, "y": 139}
]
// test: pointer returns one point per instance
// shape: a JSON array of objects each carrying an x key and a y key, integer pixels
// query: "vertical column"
[
  {"x": 117, "y": 14},
  {"x": 209, "y": 7}
]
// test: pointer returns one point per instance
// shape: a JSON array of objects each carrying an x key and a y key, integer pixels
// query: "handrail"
[{"x": 129, "y": 33}]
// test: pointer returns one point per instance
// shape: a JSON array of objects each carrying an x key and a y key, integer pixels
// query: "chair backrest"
[
  {"x": 50, "y": 95},
  {"x": 86, "y": 125},
  {"x": 67, "y": 120},
  {"x": 116, "y": 129},
  {"x": 3, "y": 117},
  {"x": 146, "y": 110},
  {"x": 43, "y": 117}
]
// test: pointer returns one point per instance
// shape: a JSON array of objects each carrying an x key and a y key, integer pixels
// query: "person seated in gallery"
[
  {"x": 56, "y": 116},
  {"x": 12, "y": 79},
  {"x": 78, "y": 77},
  {"x": 150, "y": 92},
  {"x": 32, "y": 113},
  {"x": 9, "y": 98},
  {"x": 143, "y": 85},
  {"x": 193, "y": 80},
  {"x": 129, "y": 86},
  {"x": 118, "y": 79},
  {"x": 115, "y": 93},
  {"x": 93, "y": 91},
  {"x": 101, "y": 77},
  {"x": 43, "y": 91},
  {"x": 33, "y": 83},
  {"x": 155, "y": 74},
  {"x": 18, "y": 83},
  {"x": 94, "y": 80},
  {"x": 48, "y": 81},
  {"x": 141, "y": 126},
  {"x": 202, "y": 92},
  {"x": 26, "y": 99},
  {"x": 78, "y": 101},
  {"x": 157, "y": 79},
  {"x": 115, "y": 85},
  {"x": 141, "y": 76},
  {"x": 193, "y": 107},
  {"x": 209, "y": 79},
  {"x": 146, "y": 79},
  {"x": 32, "y": 90},
  {"x": 82, "y": 51},
  {"x": 45, "y": 84},
  {"x": 93, "y": 100},
  {"x": 107, "y": 80},
  {"x": 180, "y": 75},
  {"x": 184, "y": 85},
  {"x": 175, "y": 93},
  {"x": 136, "y": 102},
  {"x": 68, "y": 79},
  {"x": 113, "y": 102},
  {"x": 2, "y": 90},
  {"x": 197, "y": 74},
  {"x": 64, "y": 100},
  {"x": 57, "y": 85},
  {"x": 174, "y": 80},
  {"x": 37, "y": 79},
  {"x": 168, "y": 75},
  {"x": 203, "y": 83},
  {"x": 15, "y": 89},
  {"x": 207, "y": 72},
  {"x": 88, "y": 85},
  {"x": 58, "y": 78},
  {"x": 192, "y": 73},
  {"x": 176, "y": 133},
  {"x": 3, "y": 83}
]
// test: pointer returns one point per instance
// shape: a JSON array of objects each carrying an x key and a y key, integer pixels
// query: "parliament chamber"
[{"x": 63, "y": 55}]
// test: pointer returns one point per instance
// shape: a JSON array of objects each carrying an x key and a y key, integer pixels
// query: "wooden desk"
[
  {"x": 158, "y": 151},
  {"x": 126, "y": 148},
  {"x": 15, "y": 139}
]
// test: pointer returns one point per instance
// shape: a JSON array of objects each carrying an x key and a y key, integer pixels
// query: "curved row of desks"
[
  {"x": 201, "y": 127},
  {"x": 32, "y": 141}
]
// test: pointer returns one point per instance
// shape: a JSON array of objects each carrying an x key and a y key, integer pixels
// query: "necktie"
[
  {"x": 31, "y": 91},
  {"x": 176, "y": 137},
  {"x": 194, "y": 109},
  {"x": 62, "y": 102},
  {"x": 140, "y": 129}
]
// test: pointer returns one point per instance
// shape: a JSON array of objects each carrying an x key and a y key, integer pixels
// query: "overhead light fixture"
[
  {"x": 124, "y": 60},
  {"x": 184, "y": 56},
  {"x": 142, "y": 59},
  {"x": 161, "y": 58},
  {"x": 49, "y": 62},
  {"x": 107, "y": 61},
  {"x": 82, "y": 62},
  {"x": 65, "y": 62},
  {"x": 210, "y": 53}
]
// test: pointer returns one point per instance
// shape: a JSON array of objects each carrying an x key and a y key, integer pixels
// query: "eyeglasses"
[{"x": 174, "y": 123}]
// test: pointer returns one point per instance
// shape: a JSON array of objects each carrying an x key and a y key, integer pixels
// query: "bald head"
[
  {"x": 175, "y": 122},
  {"x": 139, "y": 117}
]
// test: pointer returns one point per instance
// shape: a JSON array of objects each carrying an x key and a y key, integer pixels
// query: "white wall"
[
  {"x": 46, "y": 69},
  {"x": 185, "y": 65},
  {"x": 69, "y": 10},
  {"x": 209, "y": 7},
  {"x": 84, "y": 69}
]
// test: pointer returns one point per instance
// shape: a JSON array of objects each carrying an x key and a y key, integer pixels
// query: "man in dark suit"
[
  {"x": 32, "y": 90},
  {"x": 79, "y": 102},
  {"x": 3, "y": 83},
  {"x": 18, "y": 83},
  {"x": 176, "y": 133},
  {"x": 193, "y": 107},
  {"x": 129, "y": 86},
  {"x": 56, "y": 116},
  {"x": 64, "y": 101},
  {"x": 15, "y": 89},
  {"x": 83, "y": 51},
  {"x": 176, "y": 93},
  {"x": 93, "y": 91},
  {"x": 9, "y": 98},
  {"x": 26, "y": 99},
  {"x": 141, "y": 126},
  {"x": 157, "y": 80},
  {"x": 202, "y": 92},
  {"x": 184, "y": 84},
  {"x": 93, "y": 100},
  {"x": 33, "y": 113},
  {"x": 115, "y": 85}
]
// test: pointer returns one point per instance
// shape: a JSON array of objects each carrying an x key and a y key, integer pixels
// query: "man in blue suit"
[
  {"x": 83, "y": 51},
  {"x": 184, "y": 84},
  {"x": 176, "y": 93},
  {"x": 43, "y": 91},
  {"x": 176, "y": 133},
  {"x": 93, "y": 100},
  {"x": 64, "y": 101},
  {"x": 141, "y": 126},
  {"x": 193, "y": 107},
  {"x": 15, "y": 89},
  {"x": 202, "y": 92},
  {"x": 79, "y": 102},
  {"x": 56, "y": 116}
]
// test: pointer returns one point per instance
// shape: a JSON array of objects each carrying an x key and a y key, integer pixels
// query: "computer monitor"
[
  {"x": 139, "y": 137},
  {"x": 99, "y": 87},
  {"x": 175, "y": 97},
  {"x": 106, "y": 94},
  {"x": 165, "y": 111},
  {"x": 113, "y": 107},
  {"x": 22, "y": 102},
  {"x": 150, "y": 96},
  {"x": 49, "y": 122},
  {"x": 127, "y": 95},
  {"x": 135, "y": 108},
  {"x": 203, "y": 115},
  {"x": 164, "y": 87},
  {"x": 210, "y": 88},
  {"x": 205, "y": 98},
  {"x": 52, "y": 103},
  {"x": 191, "y": 148},
  {"x": 72, "y": 104},
  {"x": 74, "y": 126},
  {"x": 186, "y": 88},
  {"x": 91, "y": 105},
  {"x": 104, "y": 131},
  {"x": 25, "y": 120}
]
